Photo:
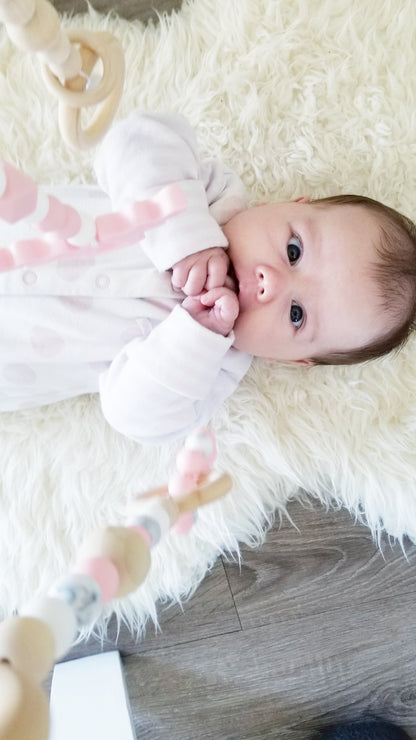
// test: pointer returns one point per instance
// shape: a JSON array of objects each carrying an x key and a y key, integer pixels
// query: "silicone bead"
[
  {"x": 157, "y": 512},
  {"x": 17, "y": 11},
  {"x": 104, "y": 572},
  {"x": 203, "y": 441},
  {"x": 24, "y": 711},
  {"x": 58, "y": 52},
  {"x": 128, "y": 551},
  {"x": 28, "y": 645},
  {"x": 180, "y": 483},
  {"x": 192, "y": 461},
  {"x": 185, "y": 523},
  {"x": 59, "y": 617},
  {"x": 40, "y": 31},
  {"x": 82, "y": 593},
  {"x": 70, "y": 67}
]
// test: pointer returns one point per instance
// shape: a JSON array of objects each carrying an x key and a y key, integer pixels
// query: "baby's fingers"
[
  {"x": 217, "y": 268},
  {"x": 189, "y": 279}
]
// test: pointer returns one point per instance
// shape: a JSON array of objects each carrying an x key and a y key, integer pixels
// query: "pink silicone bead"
[
  {"x": 20, "y": 196},
  {"x": 61, "y": 219},
  {"x": 184, "y": 523},
  {"x": 193, "y": 461},
  {"x": 180, "y": 483},
  {"x": 203, "y": 440},
  {"x": 104, "y": 573}
]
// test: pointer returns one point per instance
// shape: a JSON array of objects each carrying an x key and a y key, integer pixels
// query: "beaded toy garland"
[{"x": 111, "y": 563}]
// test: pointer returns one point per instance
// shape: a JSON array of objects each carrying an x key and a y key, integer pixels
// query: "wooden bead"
[
  {"x": 58, "y": 616},
  {"x": 28, "y": 645},
  {"x": 210, "y": 490},
  {"x": 68, "y": 69},
  {"x": 40, "y": 32},
  {"x": 17, "y": 11},
  {"x": 58, "y": 51},
  {"x": 126, "y": 549},
  {"x": 24, "y": 711}
]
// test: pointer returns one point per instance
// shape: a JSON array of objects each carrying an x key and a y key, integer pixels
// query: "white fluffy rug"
[{"x": 301, "y": 98}]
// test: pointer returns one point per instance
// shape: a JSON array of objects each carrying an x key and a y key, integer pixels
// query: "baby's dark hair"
[{"x": 394, "y": 271}]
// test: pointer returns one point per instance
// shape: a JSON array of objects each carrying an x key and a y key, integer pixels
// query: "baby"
[{"x": 166, "y": 329}]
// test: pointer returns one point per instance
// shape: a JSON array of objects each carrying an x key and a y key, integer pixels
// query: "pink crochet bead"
[
  {"x": 192, "y": 462},
  {"x": 104, "y": 573}
]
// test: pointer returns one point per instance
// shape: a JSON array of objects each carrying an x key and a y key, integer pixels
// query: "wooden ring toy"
[{"x": 105, "y": 48}]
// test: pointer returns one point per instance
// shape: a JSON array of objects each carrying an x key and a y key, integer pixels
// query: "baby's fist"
[
  {"x": 217, "y": 309},
  {"x": 201, "y": 271}
]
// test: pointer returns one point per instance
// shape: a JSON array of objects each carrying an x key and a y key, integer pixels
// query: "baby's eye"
[
  {"x": 294, "y": 249},
  {"x": 296, "y": 315}
]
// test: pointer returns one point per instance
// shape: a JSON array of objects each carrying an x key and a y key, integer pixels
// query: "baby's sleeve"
[
  {"x": 161, "y": 388},
  {"x": 144, "y": 153}
]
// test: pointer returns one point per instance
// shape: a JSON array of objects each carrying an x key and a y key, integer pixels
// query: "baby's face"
[{"x": 303, "y": 279}]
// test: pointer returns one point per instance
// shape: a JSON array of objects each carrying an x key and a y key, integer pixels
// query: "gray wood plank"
[
  {"x": 280, "y": 680},
  {"x": 143, "y": 10},
  {"x": 211, "y": 611},
  {"x": 328, "y": 563},
  {"x": 327, "y": 624}
]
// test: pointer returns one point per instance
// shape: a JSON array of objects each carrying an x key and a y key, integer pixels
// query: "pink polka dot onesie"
[{"x": 112, "y": 323}]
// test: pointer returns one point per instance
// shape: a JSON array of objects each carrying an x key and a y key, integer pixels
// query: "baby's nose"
[{"x": 269, "y": 281}]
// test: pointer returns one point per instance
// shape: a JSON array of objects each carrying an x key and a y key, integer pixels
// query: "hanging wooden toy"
[
  {"x": 112, "y": 562},
  {"x": 67, "y": 61}
]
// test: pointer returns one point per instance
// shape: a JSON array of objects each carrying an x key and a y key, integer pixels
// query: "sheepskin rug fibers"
[{"x": 300, "y": 98}]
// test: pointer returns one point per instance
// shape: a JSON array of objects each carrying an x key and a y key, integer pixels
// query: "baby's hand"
[
  {"x": 201, "y": 271},
  {"x": 217, "y": 309}
]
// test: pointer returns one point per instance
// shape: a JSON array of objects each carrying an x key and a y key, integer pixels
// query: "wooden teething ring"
[{"x": 72, "y": 96}]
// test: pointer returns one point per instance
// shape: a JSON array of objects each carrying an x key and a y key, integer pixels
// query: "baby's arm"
[
  {"x": 142, "y": 154},
  {"x": 160, "y": 388}
]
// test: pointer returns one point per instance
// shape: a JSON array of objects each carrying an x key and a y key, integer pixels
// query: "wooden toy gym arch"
[{"x": 115, "y": 560}]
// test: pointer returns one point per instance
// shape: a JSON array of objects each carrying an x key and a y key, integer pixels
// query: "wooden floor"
[{"x": 317, "y": 626}]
